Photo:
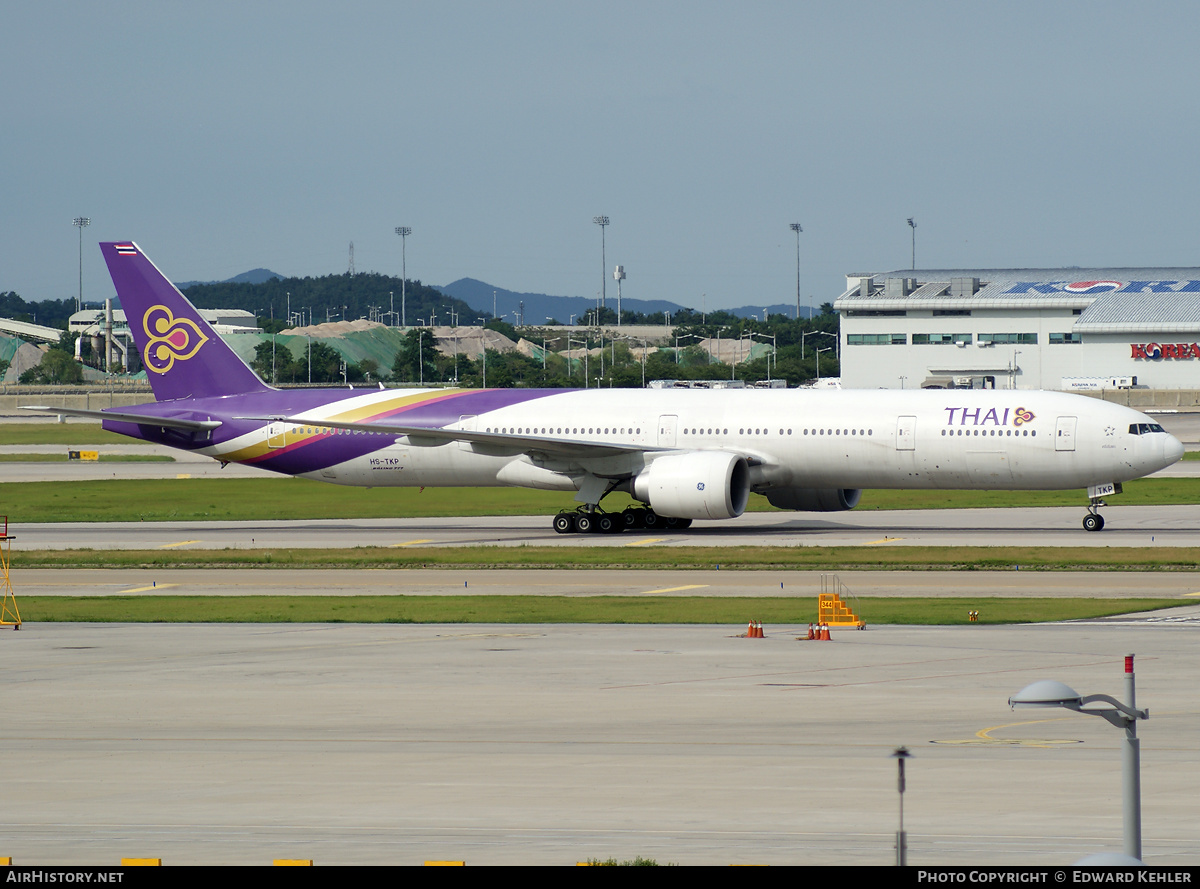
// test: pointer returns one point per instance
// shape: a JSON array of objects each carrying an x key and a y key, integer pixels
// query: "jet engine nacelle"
[
  {"x": 700, "y": 485},
  {"x": 814, "y": 499}
]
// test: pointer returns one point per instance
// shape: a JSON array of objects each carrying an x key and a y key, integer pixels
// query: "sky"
[{"x": 225, "y": 136}]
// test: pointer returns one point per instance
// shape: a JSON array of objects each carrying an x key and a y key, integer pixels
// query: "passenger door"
[{"x": 1064, "y": 434}]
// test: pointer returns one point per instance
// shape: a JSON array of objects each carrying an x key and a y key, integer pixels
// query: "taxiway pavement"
[
  {"x": 702, "y": 580},
  {"x": 1138, "y": 526},
  {"x": 396, "y": 744}
]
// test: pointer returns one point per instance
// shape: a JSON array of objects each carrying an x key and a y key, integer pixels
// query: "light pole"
[
  {"x": 1051, "y": 693},
  {"x": 913, "y": 226},
  {"x": 773, "y": 354},
  {"x": 819, "y": 351},
  {"x": 900, "y": 755},
  {"x": 80, "y": 222},
  {"x": 686, "y": 336},
  {"x": 602, "y": 221},
  {"x": 795, "y": 226},
  {"x": 619, "y": 274},
  {"x": 403, "y": 231}
]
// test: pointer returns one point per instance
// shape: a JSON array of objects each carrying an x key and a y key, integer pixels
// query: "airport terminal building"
[{"x": 1071, "y": 329}]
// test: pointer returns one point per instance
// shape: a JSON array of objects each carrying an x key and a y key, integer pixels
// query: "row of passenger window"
[
  {"x": 606, "y": 430},
  {"x": 576, "y": 430},
  {"x": 991, "y": 432}
]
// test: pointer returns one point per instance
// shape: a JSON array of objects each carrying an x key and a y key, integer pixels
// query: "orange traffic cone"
[
  {"x": 812, "y": 635},
  {"x": 750, "y": 630},
  {"x": 825, "y": 633}
]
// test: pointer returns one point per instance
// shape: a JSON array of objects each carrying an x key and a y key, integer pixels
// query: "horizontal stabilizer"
[{"x": 127, "y": 417}]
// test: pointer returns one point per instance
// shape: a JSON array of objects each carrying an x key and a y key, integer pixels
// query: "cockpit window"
[{"x": 1144, "y": 428}]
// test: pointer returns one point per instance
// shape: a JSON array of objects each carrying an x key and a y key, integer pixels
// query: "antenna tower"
[{"x": 351, "y": 257}]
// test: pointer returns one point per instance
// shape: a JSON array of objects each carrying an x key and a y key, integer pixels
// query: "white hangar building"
[{"x": 1073, "y": 328}]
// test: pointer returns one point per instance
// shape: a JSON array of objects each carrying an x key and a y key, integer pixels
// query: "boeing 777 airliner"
[{"x": 684, "y": 454}]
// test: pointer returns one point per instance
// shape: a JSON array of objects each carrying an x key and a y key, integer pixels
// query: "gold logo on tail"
[{"x": 171, "y": 339}]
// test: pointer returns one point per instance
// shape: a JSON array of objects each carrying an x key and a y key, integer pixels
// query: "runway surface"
[
  {"x": 395, "y": 744},
  {"x": 1138, "y": 526}
]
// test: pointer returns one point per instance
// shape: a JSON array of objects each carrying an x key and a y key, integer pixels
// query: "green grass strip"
[
  {"x": 760, "y": 558},
  {"x": 558, "y": 609},
  {"x": 74, "y": 434},
  {"x": 258, "y": 499},
  {"x": 103, "y": 458}
]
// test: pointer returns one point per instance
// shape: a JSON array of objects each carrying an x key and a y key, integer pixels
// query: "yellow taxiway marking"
[
  {"x": 676, "y": 589},
  {"x": 183, "y": 475},
  {"x": 647, "y": 540},
  {"x": 180, "y": 543},
  {"x": 884, "y": 540},
  {"x": 411, "y": 542},
  {"x": 1191, "y": 595},
  {"x": 147, "y": 589},
  {"x": 983, "y": 736}
]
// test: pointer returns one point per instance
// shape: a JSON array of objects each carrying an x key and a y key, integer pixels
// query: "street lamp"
[
  {"x": 795, "y": 226},
  {"x": 913, "y": 226},
  {"x": 773, "y": 354},
  {"x": 900, "y": 755},
  {"x": 403, "y": 231},
  {"x": 602, "y": 221},
  {"x": 685, "y": 336},
  {"x": 1052, "y": 693},
  {"x": 80, "y": 222},
  {"x": 819, "y": 351}
]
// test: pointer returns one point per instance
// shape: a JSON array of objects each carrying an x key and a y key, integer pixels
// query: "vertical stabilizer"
[{"x": 183, "y": 355}]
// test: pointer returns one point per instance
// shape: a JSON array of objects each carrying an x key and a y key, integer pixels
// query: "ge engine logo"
[{"x": 699, "y": 486}]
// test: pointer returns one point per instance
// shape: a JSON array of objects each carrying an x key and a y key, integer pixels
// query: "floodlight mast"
[
  {"x": 602, "y": 221},
  {"x": 403, "y": 231},
  {"x": 1052, "y": 693},
  {"x": 795, "y": 226},
  {"x": 80, "y": 222}
]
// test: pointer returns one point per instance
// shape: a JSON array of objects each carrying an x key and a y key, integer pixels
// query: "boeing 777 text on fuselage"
[{"x": 684, "y": 454}]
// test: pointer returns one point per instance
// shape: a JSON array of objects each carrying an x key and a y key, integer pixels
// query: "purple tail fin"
[{"x": 184, "y": 356}]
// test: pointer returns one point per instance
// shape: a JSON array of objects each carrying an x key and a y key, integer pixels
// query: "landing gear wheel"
[
  {"x": 1093, "y": 521},
  {"x": 564, "y": 523},
  {"x": 609, "y": 524},
  {"x": 651, "y": 519},
  {"x": 633, "y": 518},
  {"x": 584, "y": 523}
]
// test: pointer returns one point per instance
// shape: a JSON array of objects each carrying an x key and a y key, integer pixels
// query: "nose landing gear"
[{"x": 1093, "y": 521}]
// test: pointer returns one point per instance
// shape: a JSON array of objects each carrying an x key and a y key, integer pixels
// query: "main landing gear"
[{"x": 590, "y": 520}]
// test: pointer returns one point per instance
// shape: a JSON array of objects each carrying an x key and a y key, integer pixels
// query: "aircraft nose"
[{"x": 1172, "y": 450}]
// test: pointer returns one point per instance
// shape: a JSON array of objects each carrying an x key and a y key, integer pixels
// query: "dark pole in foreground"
[{"x": 900, "y": 755}]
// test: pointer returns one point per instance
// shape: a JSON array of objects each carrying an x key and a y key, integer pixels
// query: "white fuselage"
[{"x": 791, "y": 438}]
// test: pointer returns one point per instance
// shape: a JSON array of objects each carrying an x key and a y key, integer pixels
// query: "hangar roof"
[{"x": 1113, "y": 299}]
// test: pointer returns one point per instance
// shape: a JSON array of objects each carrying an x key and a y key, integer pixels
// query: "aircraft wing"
[
  {"x": 128, "y": 417},
  {"x": 501, "y": 442}
]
